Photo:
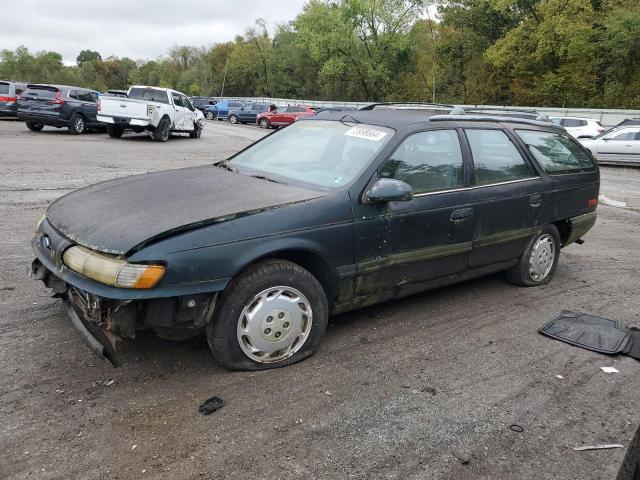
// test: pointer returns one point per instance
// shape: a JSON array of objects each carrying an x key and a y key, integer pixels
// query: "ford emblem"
[{"x": 46, "y": 241}]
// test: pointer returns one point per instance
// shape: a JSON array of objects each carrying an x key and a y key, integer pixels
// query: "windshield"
[
  {"x": 151, "y": 94},
  {"x": 325, "y": 153}
]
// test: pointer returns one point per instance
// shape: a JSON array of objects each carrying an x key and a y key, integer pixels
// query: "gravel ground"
[{"x": 395, "y": 391}]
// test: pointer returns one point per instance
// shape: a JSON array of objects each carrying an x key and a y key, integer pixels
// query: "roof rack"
[
  {"x": 408, "y": 106},
  {"x": 491, "y": 118}
]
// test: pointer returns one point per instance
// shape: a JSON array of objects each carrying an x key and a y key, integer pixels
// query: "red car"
[{"x": 283, "y": 116}]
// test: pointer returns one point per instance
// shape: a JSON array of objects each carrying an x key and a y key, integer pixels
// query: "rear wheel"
[
  {"x": 233, "y": 119},
  {"x": 264, "y": 123},
  {"x": 273, "y": 314},
  {"x": 34, "y": 127},
  {"x": 163, "y": 130},
  {"x": 538, "y": 263},
  {"x": 78, "y": 125},
  {"x": 114, "y": 131}
]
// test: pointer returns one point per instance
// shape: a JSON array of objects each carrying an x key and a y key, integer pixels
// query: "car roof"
[
  {"x": 577, "y": 118},
  {"x": 397, "y": 119}
]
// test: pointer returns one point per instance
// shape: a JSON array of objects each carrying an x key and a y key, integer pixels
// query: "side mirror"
[{"x": 389, "y": 190}]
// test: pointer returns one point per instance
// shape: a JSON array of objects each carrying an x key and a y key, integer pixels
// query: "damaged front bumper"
[{"x": 102, "y": 322}]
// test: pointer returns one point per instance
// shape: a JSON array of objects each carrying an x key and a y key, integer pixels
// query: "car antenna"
[{"x": 344, "y": 120}]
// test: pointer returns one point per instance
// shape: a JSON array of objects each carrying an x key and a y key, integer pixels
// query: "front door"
[
  {"x": 507, "y": 197},
  {"x": 178, "y": 120},
  {"x": 401, "y": 245},
  {"x": 621, "y": 145}
]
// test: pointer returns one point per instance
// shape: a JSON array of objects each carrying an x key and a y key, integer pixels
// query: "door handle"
[
  {"x": 535, "y": 200},
  {"x": 461, "y": 214}
]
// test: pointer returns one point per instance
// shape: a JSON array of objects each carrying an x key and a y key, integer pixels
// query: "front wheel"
[
  {"x": 196, "y": 132},
  {"x": 233, "y": 119},
  {"x": 209, "y": 115},
  {"x": 163, "y": 130},
  {"x": 538, "y": 263},
  {"x": 273, "y": 314},
  {"x": 34, "y": 127}
]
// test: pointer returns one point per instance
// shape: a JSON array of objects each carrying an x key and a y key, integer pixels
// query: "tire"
[
  {"x": 78, "y": 124},
  {"x": 35, "y": 127},
  {"x": 114, "y": 131},
  {"x": 539, "y": 261},
  {"x": 196, "y": 132},
  {"x": 209, "y": 115},
  {"x": 163, "y": 131},
  {"x": 233, "y": 119},
  {"x": 229, "y": 342},
  {"x": 264, "y": 123}
]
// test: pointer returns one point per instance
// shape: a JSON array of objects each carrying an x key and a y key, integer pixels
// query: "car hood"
[{"x": 117, "y": 216}]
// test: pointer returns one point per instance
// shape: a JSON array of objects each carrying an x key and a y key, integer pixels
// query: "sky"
[{"x": 138, "y": 29}]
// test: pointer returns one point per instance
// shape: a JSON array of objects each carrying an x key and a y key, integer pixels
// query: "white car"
[
  {"x": 579, "y": 126},
  {"x": 617, "y": 146},
  {"x": 159, "y": 111}
]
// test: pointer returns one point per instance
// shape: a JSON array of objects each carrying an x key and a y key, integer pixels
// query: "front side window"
[
  {"x": 328, "y": 154},
  {"x": 428, "y": 161},
  {"x": 186, "y": 103},
  {"x": 556, "y": 153},
  {"x": 625, "y": 135},
  {"x": 495, "y": 158}
]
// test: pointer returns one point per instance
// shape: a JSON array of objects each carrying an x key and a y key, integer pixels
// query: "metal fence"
[{"x": 608, "y": 117}]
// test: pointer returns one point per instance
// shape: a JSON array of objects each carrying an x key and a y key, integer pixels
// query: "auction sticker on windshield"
[{"x": 366, "y": 132}]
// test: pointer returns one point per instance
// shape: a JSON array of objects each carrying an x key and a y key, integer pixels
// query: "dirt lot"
[{"x": 391, "y": 393}]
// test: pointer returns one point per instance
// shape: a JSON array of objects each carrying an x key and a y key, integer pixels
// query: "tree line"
[{"x": 571, "y": 53}]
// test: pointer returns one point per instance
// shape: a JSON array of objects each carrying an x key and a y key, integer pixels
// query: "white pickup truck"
[{"x": 158, "y": 111}]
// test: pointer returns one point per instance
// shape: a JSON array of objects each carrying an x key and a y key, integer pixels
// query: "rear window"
[
  {"x": 4, "y": 88},
  {"x": 150, "y": 94},
  {"x": 41, "y": 92},
  {"x": 556, "y": 153}
]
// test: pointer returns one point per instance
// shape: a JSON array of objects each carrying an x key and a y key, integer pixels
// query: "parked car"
[
  {"x": 322, "y": 217},
  {"x": 59, "y": 106},
  {"x": 159, "y": 111},
  {"x": 283, "y": 116},
  {"x": 221, "y": 109},
  {"x": 579, "y": 126},
  {"x": 618, "y": 146},
  {"x": 248, "y": 113},
  {"x": 9, "y": 93},
  {"x": 202, "y": 103},
  {"x": 628, "y": 122}
]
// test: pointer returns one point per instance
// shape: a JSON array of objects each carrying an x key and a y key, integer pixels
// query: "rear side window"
[
  {"x": 495, "y": 158},
  {"x": 573, "y": 122},
  {"x": 556, "y": 153},
  {"x": 4, "y": 88},
  {"x": 428, "y": 161},
  {"x": 235, "y": 104},
  {"x": 73, "y": 94},
  {"x": 86, "y": 97},
  {"x": 624, "y": 136},
  {"x": 150, "y": 94}
]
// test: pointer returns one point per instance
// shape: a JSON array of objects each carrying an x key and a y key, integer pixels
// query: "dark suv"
[
  {"x": 59, "y": 106},
  {"x": 201, "y": 103},
  {"x": 327, "y": 215},
  {"x": 9, "y": 91}
]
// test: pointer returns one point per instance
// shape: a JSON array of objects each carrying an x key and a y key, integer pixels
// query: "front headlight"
[{"x": 111, "y": 271}]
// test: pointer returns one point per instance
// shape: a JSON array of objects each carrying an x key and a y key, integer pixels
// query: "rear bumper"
[
  {"x": 44, "y": 119},
  {"x": 581, "y": 225},
  {"x": 8, "y": 111},
  {"x": 124, "y": 122}
]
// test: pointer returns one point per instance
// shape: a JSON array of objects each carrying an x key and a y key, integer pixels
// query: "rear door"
[
  {"x": 88, "y": 105},
  {"x": 179, "y": 118},
  {"x": 401, "y": 245},
  {"x": 507, "y": 196},
  {"x": 621, "y": 145}
]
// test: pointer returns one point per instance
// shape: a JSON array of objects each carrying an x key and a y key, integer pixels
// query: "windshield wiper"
[{"x": 263, "y": 177}]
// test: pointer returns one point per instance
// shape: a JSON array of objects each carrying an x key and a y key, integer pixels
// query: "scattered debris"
[
  {"x": 430, "y": 391},
  {"x": 599, "y": 334},
  {"x": 598, "y": 447},
  {"x": 59, "y": 391},
  {"x": 461, "y": 457},
  {"x": 559, "y": 376},
  {"x": 327, "y": 393},
  {"x": 609, "y": 370},
  {"x": 364, "y": 340},
  {"x": 110, "y": 382},
  {"x": 211, "y": 405},
  {"x": 133, "y": 447},
  {"x": 612, "y": 203},
  {"x": 516, "y": 428}
]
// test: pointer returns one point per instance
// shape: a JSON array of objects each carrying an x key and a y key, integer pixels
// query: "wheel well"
[
  {"x": 564, "y": 229},
  {"x": 316, "y": 265}
]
